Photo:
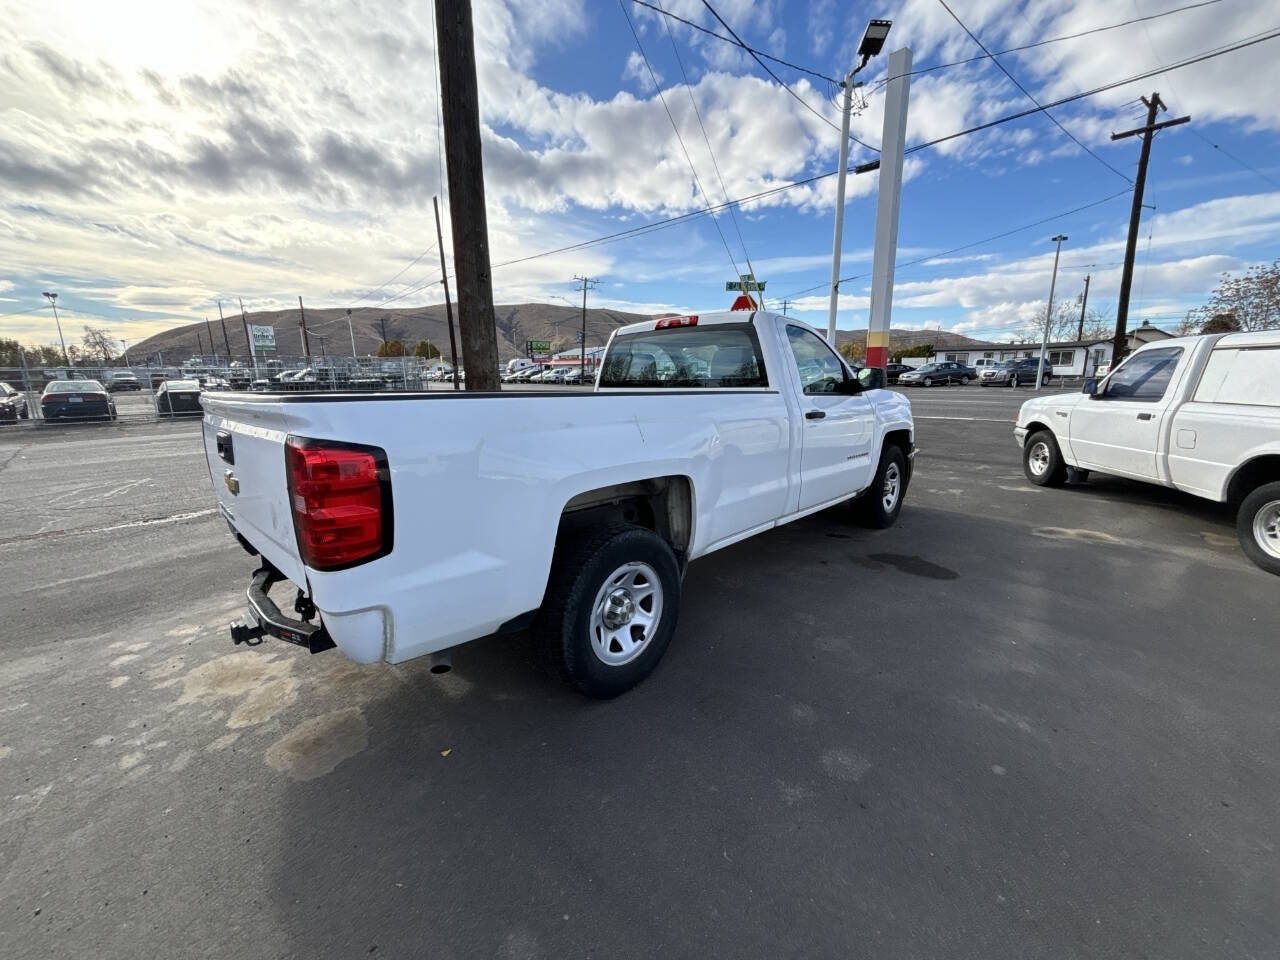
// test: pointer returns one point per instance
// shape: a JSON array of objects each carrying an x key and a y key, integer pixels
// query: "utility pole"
[
  {"x": 199, "y": 343},
  {"x": 785, "y": 304},
  {"x": 1135, "y": 214},
  {"x": 53, "y": 301},
  {"x": 306, "y": 340},
  {"x": 1084, "y": 300},
  {"x": 383, "y": 322},
  {"x": 212, "y": 347},
  {"x": 352, "y": 332},
  {"x": 448, "y": 307},
  {"x": 872, "y": 43},
  {"x": 455, "y": 51},
  {"x": 1048, "y": 317},
  {"x": 248, "y": 340},
  {"x": 226, "y": 341},
  {"x": 587, "y": 283}
]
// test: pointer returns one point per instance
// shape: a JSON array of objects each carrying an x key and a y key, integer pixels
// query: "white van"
[{"x": 519, "y": 363}]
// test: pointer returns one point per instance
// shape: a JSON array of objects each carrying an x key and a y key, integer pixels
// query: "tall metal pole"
[
  {"x": 306, "y": 340},
  {"x": 455, "y": 51},
  {"x": 212, "y": 347},
  {"x": 1048, "y": 317},
  {"x": 226, "y": 341},
  {"x": 448, "y": 307},
  {"x": 846, "y": 105},
  {"x": 352, "y": 332},
  {"x": 53, "y": 301},
  {"x": 893, "y": 144}
]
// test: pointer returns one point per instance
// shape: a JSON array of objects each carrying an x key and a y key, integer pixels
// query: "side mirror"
[
  {"x": 1090, "y": 387},
  {"x": 871, "y": 378},
  {"x": 849, "y": 387}
]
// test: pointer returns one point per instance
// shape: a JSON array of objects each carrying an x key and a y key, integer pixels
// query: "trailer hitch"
[{"x": 267, "y": 620}]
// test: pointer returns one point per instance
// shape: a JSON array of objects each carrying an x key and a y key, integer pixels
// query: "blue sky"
[{"x": 158, "y": 157}]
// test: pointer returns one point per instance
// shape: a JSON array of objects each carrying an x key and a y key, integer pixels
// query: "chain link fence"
[{"x": 140, "y": 393}]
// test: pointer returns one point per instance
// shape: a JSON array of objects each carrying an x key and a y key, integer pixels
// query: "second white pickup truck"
[
  {"x": 1200, "y": 414},
  {"x": 408, "y": 523}
]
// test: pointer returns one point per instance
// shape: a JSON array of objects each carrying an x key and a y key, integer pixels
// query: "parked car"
[
  {"x": 178, "y": 398},
  {"x": 120, "y": 380},
  {"x": 585, "y": 510},
  {"x": 13, "y": 404},
  {"x": 76, "y": 400},
  {"x": 895, "y": 370},
  {"x": 1013, "y": 373},
  {"x": 1199, "y": 414},
  {"x": 573, "y": 375},
  {"x": 983, "y": 363},
  {"x": 935, "y": 373}
]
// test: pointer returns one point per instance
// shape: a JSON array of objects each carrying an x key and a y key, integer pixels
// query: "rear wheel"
[
  {"x": 1042, "y": 460},
  {"x": 879, "y": 507},
  {"x": 610, "y": 609},
  {"x": 1258, "y": 527},
  {"x": 964, "y": 381}
]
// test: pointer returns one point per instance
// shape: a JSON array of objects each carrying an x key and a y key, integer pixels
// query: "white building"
[{"x": 1069, "y": 358}]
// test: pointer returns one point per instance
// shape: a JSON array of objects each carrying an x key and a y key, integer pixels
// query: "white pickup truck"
[
  {"x": 408, "y": 523},
  {"x": 1200, "y": 414}
]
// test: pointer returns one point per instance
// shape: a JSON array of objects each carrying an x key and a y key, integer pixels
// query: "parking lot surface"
[{"x": 1023, "y": 722}]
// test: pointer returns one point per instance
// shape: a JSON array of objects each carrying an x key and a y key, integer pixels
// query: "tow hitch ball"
[{"x": 241, "y": 632}]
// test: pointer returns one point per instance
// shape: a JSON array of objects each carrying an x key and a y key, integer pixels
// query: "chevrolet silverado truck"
[
  {"x": 408, "y": 523},
  {"x": 1199, "y": 414}
]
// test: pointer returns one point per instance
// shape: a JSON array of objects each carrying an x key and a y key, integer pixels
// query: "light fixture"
[{"x": 873, "y": 39}]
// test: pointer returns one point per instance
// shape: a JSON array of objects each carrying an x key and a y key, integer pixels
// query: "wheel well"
[
  {"x": 661, "y": 504},
  {"x": 1035, "y": 426},
  {"x": 900, "y": 439},
  {"x": 1252, "y": 475}
]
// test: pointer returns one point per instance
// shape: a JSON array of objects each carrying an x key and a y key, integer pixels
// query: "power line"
[
  {"x": 676, "y": 130},
  {"x": 1027, "y": 93},
  {"x": 1227, "y": 153},
  {"x": 1041, "y": 43},
  {"x": 736, "y": 43},
  {"x": 764, "y": 66},
  {"x": 393, "y": 279}
]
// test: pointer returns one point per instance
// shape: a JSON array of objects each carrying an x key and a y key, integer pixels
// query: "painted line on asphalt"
[
  {"x": 85, "y": 531},
  {"x": 973, "y": 419}
]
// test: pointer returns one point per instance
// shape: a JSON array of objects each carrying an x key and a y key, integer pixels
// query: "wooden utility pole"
[
  {"x": 226, "y": 341},
  {"x": 455, "y": 51},
  {"x": 1084, "y": 300},
  {"x": 1135, "y": 214},
  {"x": 213, "y": 349},
  {"x": 302, "y": 321},
  {"x": 587, "y": 284},
  {"x": 448, "y": 307},
  {"x": 383, "y": 322}
]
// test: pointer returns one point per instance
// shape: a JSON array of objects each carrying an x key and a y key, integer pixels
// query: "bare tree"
[
  {"x": 1251, "y": 298},
  {"x": 1062, "y": 325},
  {"x": 98, "y": 344}
]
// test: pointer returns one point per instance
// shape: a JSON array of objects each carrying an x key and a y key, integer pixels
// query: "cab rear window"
[{"x": 717, "y": 355}]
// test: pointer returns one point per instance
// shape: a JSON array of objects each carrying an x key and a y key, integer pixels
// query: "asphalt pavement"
[{"x": 1021, "y": 723}]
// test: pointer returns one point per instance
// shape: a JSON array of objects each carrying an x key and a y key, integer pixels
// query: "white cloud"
[{"x": 636, "y": 71}]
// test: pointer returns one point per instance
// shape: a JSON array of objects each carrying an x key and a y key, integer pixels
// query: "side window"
[
  {"x": 820, "y": 369},
  {"x": 1242, "y": 376},
  {"x": 1144, "y": 376}
]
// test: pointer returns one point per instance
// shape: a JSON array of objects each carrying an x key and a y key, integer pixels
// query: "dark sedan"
[
  {"x": 931, "y": 373},
  {"x": 13, "y": 405},
  {"x": 178, "y": 398},
  {"x": 894, "y": 370},
  {"x": 76, "y": 400},
  {"x": 1014, "y": 373}
]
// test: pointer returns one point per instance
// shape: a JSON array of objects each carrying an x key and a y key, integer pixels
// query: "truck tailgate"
[{"x": 245, "y": 447}]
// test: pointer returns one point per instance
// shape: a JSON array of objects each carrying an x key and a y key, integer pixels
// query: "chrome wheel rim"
[
  {"x": 1266, "y": 528},
  {"x": 626, "y": 613},
  {"x": 1038, "y": 458},
  {"x": 892, "y": 487}
]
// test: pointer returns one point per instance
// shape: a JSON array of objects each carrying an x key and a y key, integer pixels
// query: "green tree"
[
  {"x": 919, "y": 350},
  {"x": 855, "y": 351},
  {"x": 426, "y": 350},
  {"x": 391, "y": 348},
  {"x": 10, "y": 353}
]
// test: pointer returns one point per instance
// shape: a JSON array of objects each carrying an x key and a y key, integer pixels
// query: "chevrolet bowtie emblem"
[{"x": 232, "y": 483}]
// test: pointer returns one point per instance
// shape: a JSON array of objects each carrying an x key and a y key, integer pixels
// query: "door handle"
[
  {"x": 815, "y": 414},
  {"x": 1145, "y": 416}
]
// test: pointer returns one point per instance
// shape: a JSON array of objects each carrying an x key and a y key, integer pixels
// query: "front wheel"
[
  {"x": 1042, "y": 460},
  {"x": 610, "y": 609},
  {"x": 928, "y": 381},
  {"x": 1258, "y": 527},
  {"x": 964, "y": 381},
  {"x": 1013, "y": 381},
  {"x": 879, "y": 507}
]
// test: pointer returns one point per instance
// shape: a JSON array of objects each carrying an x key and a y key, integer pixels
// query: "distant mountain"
[{"x": 516, "y": 323}]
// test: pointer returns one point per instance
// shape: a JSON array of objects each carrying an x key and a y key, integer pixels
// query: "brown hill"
[{"x": 516, "y": 323}]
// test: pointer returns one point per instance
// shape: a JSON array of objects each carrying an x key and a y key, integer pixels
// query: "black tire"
[
  {"x": 25, "y": 412},
  {"x": 964, "y": 381},
  {"x": 1251, "y": 526},
  {"x": 562, "y": 629},
  {"x": 870, "y": 509},
  {"x": 927, "y": 382},
  {"x": 1013, "y": 381},
  {"x": 1052, "y": 472}
]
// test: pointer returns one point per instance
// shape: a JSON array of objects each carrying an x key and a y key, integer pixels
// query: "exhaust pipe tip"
[{"x": 441, "y": 662}]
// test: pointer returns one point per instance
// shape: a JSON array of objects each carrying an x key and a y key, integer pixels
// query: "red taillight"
[
  {"x": 676, "y": 322},
  {"x": 341, "y": 500}
]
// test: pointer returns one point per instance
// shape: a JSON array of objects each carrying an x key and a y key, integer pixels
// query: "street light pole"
[
  {"x": 1048, "y": 317},
  {"x": 352, "y": 332},
  {"x": 53, "y": 300},
  {"x": 872, "y": 42}
]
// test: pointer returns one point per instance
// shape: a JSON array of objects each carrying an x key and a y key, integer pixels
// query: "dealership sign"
[
  {"x": 264, "y": 339},
  {"x": 539, "y": 351}
]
